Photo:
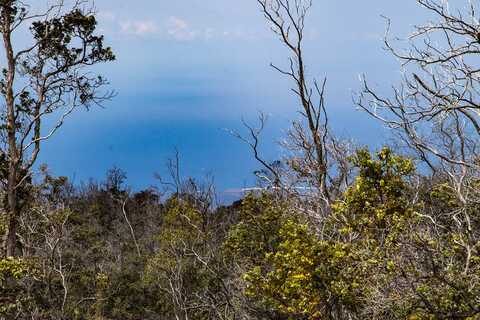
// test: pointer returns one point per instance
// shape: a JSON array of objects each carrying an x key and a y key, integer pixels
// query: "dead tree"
[
  {"x": 269, "y": 174},
  {"x": 436, "y": 107},
  {"x": 436, "y": 110},
  {"x": 317, "y": 162},
  {"x": 47, "y": 79}
]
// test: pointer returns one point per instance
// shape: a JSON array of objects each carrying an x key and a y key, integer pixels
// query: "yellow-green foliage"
[
  {"x": 304, "y": 275},
  {"x": 257, "y": 231},
  {"x": 3, "y": 226},
  {"x": 376, "y": 205},
  {"x": 179, "y": 267},
  {"x": 12, "y": 268},
  {"x": 12, "y": 272},
  {"x": 182, "y": 231},
  {"x": 289, "y": 270}
]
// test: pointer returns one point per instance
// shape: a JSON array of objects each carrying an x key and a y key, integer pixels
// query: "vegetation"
[{"x": 334, "y": 231}]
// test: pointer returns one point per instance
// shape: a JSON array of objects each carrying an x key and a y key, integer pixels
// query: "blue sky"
[{"x": 188, "y": 69}]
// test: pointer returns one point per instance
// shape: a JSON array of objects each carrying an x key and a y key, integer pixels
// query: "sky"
[{"x": 187, "y": 71}]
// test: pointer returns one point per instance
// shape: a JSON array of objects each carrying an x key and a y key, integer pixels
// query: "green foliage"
[
  {"x": 377, "y": 205},
  {"x": 306, "y": 278},
  {"x": 56, "y": 38},
  {"x": 184, "y": 267},
  {"x": 14, "y": 277},
  {"x": 383, "y": 251},
  {"x": 260, "y": 219},
  {"x": 11, "y": 268},
  {"x": 294, "y": 271}
]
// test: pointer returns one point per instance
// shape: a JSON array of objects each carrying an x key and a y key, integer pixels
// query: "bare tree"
[
  {"x": 436, "y": 107},
  {"x": 45, "y": 233},
  {"x": 287, "y": 19},
  {"x": 49, "y": 77},
  {"x": 269, "y": 174},
  {"x": 315, "y": 168},
  {"x": 435, "y": 111},
  {"x": 190, "y": 245}
]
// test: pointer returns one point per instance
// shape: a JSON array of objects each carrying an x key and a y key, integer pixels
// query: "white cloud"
[
  {"x": 174, "y": 28},
  {"x": 177, "y": 23},
  {"x": 139, "y": 28},
  {"x": 179, "y": 29}
]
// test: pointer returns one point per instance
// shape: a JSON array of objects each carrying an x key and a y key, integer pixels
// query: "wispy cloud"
[
  {"x": 173, "y": 28},
  {"x": 179, "y": 29},
  {"x": 139, "y": 28}
]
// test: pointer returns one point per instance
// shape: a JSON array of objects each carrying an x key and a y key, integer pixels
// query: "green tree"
[
  {"x": 188, "y": 268},
  {"x": 50, "y": 76},
  {"x": 300, "y": 273}
]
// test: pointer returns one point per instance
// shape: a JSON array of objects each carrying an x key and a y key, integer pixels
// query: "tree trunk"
[
  {"x": 11, "y": 241},
  {"x": 13, "y": 156}
]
